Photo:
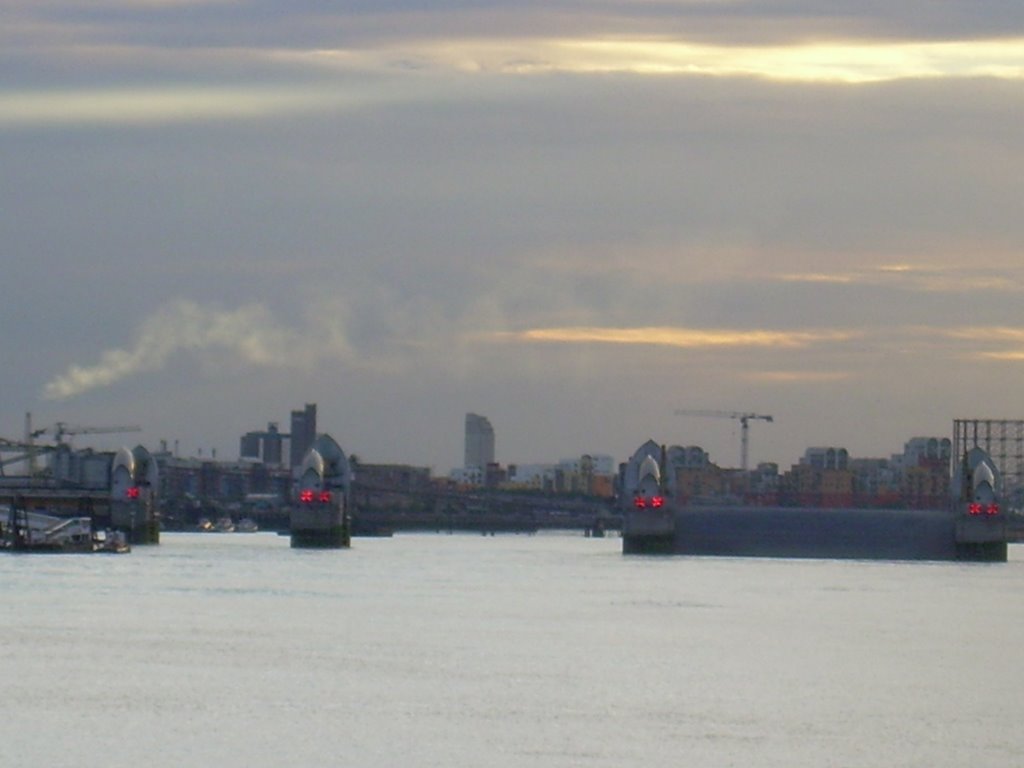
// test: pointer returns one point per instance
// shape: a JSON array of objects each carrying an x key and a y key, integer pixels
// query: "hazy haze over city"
[{"x": 573, "y": 219}]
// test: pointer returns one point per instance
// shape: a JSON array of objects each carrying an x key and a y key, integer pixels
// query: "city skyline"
[
  {"x": 479, "y": 438},
  {"x": 574, "y": 219}
]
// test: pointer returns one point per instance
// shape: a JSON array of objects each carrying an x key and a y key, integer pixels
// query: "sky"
[{"x": 576, "y": 218}]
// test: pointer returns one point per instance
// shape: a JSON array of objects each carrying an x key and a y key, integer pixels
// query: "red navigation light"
[
  {"x": 306, "y": 496},
  {"x": 993, "y": 509},
  {"x": 657, "y": 501},
  {"x": 325, "y": 497},
  {"x": 639, "y": 502},
  {"x": 974, "y": 508},
  {"x": 132, "y": 493}
]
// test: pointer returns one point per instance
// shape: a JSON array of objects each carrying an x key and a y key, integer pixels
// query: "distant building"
[
  {"x": 494, "y": 475},
  {"x": 386, "y": 489},
  {"x": 927, "y": 451},
  {"x": 925, "y": 471},
  {"x": 80, "y": 469},
  {"x": 399, "y": 478},
  {"x": 208, "y": 481},
  {"x": 529, "y": 476},
  {"x": 467, "y": 476},
  {"x": 479, "y": 447},
  {"x": 590, "y": 474},
  {"x": 877, "y": 482},
  {"x": 250, "y": 446},
  {"x": 826, "y": 458},
  {"x": 691, "y": 457},
  {"x": 303, "y": 434},
  {"x": 262, "y": 446},
  {"x": 595, "y": 463}
]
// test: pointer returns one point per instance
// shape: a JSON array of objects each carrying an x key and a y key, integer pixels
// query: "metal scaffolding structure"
[{"x": 1002, "y": 439}]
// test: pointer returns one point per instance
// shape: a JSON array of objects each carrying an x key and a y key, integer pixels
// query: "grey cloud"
[
  {"x": 496, "y": 204},
  {"x": 314, "y": 24},
  {"x": 129, "y": 42},
  {"x": 443, "y": 201}
]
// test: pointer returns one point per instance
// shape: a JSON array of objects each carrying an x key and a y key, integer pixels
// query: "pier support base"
[
  {"x": 982, "y": 552},
  {"x": 333, "y": 537},
  {"x": 648, "y": 545},
  {"x": 147, "y": 533},
  {"x": 139, "y": 524}
]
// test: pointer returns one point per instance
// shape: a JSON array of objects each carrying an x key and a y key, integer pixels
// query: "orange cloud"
[
  {"x": 1011, "y": 339},
  {"x": 818, "y": 277},
  {"x": 786, "y": 377},
  {"x": 924, "y": 278},
  {"x": 987, "y": 333},
  {"x": 686, "y": 338}
]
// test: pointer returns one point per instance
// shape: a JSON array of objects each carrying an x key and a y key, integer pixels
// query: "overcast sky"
[{"x": 573, "y": 219}]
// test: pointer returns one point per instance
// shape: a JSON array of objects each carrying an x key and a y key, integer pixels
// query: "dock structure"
[
  {"x": 114, "y": 492},
  {"x": 52, "y": 520},
  {"x": 320, "y": 510},
  {"x": 35, "y": 523}
]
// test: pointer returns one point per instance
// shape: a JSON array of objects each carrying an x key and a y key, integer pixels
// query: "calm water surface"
[{"x": 550, "y": 650}]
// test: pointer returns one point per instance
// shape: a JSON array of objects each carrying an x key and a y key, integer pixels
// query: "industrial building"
[{"x": 267, "y": 446}]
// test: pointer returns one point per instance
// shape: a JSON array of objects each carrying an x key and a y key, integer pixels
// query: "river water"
[{"x": 464, "y": 650}]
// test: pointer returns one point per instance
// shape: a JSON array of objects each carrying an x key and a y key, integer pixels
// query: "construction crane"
[
  {"x": 744, "y": 419},
  {"x": 61, "y": 429}
]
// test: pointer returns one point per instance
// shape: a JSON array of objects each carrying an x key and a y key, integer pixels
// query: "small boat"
[
  {"x": 112, "y": 542},
  {"x": 224, "y": 525}
]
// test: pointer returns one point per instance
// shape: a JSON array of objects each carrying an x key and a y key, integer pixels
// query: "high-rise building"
[
  {"x": 479, "y": 442},
  {"x": 272, "y": 440},
  {"x": 303, "y": 433}
]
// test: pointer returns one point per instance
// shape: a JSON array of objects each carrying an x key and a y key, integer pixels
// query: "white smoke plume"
[{"x": 248, "y": 333}]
